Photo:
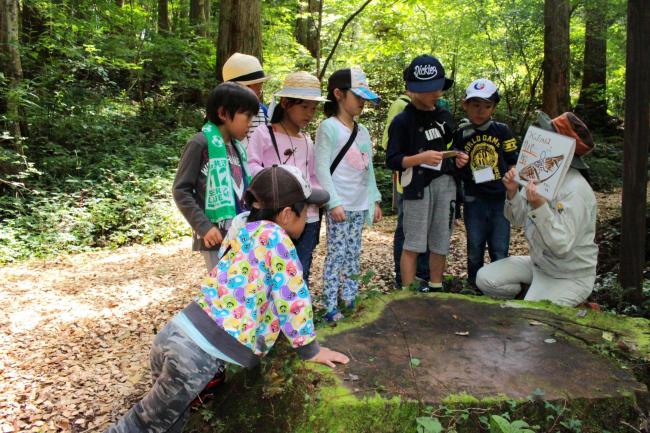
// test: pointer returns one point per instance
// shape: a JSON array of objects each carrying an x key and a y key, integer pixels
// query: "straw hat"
[
  {"x": 243, "y": 69},
  {"x": 301, "y": 85}
]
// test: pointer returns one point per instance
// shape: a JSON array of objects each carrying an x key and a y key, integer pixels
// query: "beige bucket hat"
[
  {"x": 301, "y": 85},
  {"x": 243, "y": 69}
]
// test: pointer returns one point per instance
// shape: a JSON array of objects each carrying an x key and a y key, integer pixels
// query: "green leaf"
[
  {"x": 499, "y": 424},
  {"x": 415, "y": 362},
  {"x": 428, "y": 425}
]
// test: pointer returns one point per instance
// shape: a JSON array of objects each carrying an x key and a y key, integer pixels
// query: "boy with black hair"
[
  {"x": 418, "y": 147},
  {"x": 213, "y": 174},
  {"x": 492, "y": 150}
]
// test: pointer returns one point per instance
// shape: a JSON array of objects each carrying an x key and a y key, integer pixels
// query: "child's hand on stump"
[{"x": 329, "y": 357}]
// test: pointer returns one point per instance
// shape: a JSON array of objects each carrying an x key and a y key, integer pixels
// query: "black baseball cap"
[{"x": 426, "y": 74}]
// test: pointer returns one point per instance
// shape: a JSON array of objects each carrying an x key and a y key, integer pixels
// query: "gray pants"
[
  {"x": 180, "y": 370},
  {"x": 503, "y": 278},
  {"x": 428, "y": 222},
  {"x": 211, "y": 258}
]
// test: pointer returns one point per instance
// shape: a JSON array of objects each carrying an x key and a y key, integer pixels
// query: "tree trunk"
[
  {"x": 207, "y": 12},
  {"x": 163, "y": 16},
  {"x": 32, "y": 23},
  {"x": 239, "y": 30},
  {"x": 119, "y": 3},
  {"x": 635, "y": 151},
  {"x": 592, "y": 103},
  {"x": 11, "y": 65},
  {"x": 306, "y": 31},
  {"x": 197, "y": 16},
  {"x": 555, "y": 99}
]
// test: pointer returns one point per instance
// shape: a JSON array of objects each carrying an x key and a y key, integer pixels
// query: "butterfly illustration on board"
[{"x": 542, "y": 169}]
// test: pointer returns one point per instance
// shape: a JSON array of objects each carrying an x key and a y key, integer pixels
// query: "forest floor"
[{"x": 75, "y": 330}]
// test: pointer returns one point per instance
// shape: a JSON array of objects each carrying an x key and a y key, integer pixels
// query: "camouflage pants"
[{"x": 180, "y": 370}]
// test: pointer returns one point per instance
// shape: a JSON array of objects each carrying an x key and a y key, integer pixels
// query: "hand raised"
[{"x": 534, "y": 199}]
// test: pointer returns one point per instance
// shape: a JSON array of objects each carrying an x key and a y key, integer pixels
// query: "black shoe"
[{"x": 424, "y": 287}]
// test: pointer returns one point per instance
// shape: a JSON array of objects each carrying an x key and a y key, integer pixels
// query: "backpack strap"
[
  {"x": 345, "y": 148},
  {"x": 275, "y": 143}
]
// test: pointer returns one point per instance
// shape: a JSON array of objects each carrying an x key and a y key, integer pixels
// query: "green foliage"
[
  {"x": 428, "y": 425},
  {"x": 500, "y": 424},
  {"x": 98, "y": 178},
  {"x": 106, "y": 101}
]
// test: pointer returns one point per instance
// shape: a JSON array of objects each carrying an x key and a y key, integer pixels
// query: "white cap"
[{"x": 484, "y": 89}]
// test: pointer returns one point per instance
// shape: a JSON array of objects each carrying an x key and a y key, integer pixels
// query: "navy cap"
[{"x": 426, "y": 74}]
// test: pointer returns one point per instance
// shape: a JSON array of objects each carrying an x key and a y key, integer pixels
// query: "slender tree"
[
  {"x": 207, "y": 12},
  {"x": 635, "y": 153},
  {"x": 163, "y": 16},
  {"x": 11, "y": 65},
  {"x": 239, "y": 30},
  {"x": 197, "y": 16},
  {"x": 556, "y": 57},
  {"x": 348, "y": 20},
  {"x": 306, "y": 31},
  {"x": 592, "y": 103}
]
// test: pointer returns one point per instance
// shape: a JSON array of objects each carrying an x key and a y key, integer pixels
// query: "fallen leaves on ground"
[{"x": 75, "y": 331}]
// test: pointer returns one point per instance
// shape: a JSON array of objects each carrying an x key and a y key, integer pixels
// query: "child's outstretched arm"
[{"x": 329, "y": 357}]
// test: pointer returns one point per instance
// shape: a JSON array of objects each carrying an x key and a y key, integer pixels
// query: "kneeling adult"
[{"x": 561, "y": 266}]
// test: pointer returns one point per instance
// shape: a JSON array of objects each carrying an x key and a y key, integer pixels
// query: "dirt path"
[{"x": 75, "y": 331}]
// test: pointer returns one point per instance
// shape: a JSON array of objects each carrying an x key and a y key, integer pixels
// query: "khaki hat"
[
  {"x": 301, "y": 85},
  {"x": 281, "y": 186},
  {"x": 243, "y": 69}
]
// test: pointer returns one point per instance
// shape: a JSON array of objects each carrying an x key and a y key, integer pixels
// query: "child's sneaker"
[
  {"x": 349, "y": 305},
  {"x": 429, "y": 287},
  {"x": 333, "y": 316}
]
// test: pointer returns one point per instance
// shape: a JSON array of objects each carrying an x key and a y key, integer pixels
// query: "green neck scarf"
[{"x": 219, "y": 192}]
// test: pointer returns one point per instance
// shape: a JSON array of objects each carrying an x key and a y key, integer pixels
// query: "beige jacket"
[{"x": 561, "y": 232}]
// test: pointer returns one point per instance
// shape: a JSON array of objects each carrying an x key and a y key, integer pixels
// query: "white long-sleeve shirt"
[
  {"x": 561, "y": 232},
  {"x": 353, "y": 183}
]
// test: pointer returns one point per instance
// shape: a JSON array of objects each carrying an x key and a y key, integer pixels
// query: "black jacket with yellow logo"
[{"x": 489, "y": 145}]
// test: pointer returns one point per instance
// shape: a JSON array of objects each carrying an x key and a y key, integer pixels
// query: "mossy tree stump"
[{"x": 456, "y": 358}]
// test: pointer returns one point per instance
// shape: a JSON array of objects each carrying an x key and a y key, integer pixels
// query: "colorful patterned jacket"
[{"x": 255, "y": 291}]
